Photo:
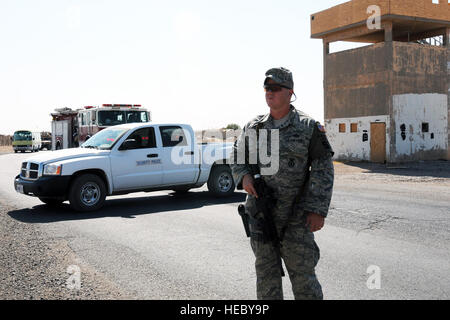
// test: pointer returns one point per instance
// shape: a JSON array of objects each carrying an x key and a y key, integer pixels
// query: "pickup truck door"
[
  {"x": 140, "y": 166},
  {"x": 178, "y": 155}
]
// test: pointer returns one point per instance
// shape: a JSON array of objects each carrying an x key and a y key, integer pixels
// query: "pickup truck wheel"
[
  {"x": 220, "y": 182},
  {"x": 51, "y": 201},
  {"x": 87, "y": 193}
]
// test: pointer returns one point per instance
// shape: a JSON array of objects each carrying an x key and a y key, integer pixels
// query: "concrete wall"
[
  {"x": 421, "y": 9},
  {"x": 344, "y": 14},
  {"x": 350, "y": 145},
  {"x": 355, "y": 11},
  {"x": 363, "y": 82},
  {"x": 357, "y": 82},
  {"x": 409, "y": 112},
  {"x": 360, "y": 82},
  {"x": 419, "y": 68},
  {"x": 448, "y": 101}
]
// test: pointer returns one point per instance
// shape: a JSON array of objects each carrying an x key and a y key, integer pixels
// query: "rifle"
[
  {"x": 244, "y": 216},
  {"x": 265, "y": 202},
  {"x": 264, "y": 205}
]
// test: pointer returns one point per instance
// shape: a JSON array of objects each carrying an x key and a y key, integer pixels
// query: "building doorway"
[{"x": 378, "y": 142}]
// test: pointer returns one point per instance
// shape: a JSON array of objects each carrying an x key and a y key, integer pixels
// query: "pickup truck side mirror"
[{"x": 128, "y": 144}]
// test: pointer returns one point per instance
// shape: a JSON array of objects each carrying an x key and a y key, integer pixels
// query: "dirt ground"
[
  {"x": 6, "y": 149},
  {"x": 437, "y": 171},
  {"x": 34, "y": 266}
]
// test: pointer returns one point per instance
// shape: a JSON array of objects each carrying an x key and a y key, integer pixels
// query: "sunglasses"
[{"x": 273, "y": 87}]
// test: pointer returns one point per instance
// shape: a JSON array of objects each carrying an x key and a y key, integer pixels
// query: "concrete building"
[{"x": 389, "y": 101}]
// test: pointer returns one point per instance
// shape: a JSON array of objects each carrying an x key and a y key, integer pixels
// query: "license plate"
[{"x": 19, "y": 188}]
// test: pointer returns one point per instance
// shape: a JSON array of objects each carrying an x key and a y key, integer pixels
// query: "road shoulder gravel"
[{"x": 35, "y": 266}]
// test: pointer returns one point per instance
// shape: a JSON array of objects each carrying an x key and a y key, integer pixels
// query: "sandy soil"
[{"x": 6, "y": 149}]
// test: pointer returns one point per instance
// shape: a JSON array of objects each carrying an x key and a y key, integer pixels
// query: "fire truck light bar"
[
  {"x": 122, "y": 105},
  {"x": 88, "y": 107}
]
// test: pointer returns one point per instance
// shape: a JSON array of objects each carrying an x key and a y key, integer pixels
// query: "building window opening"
[
  {"x": 354, "y": 127},
  {"x": 342, "y": 127},
  {"x": 425, "y": 127},
  {"x": 433, "y": 41}
]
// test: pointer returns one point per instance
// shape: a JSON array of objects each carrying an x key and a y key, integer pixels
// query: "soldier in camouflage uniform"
[{"x": 302, "y": 144}]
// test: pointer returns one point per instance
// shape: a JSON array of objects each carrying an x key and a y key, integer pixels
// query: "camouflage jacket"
[{"x": 295, "y": 149}]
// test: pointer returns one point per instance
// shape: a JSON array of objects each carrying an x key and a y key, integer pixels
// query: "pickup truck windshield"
[
  {"x": 104, "y": 139},
  {"x": 22, "y": 135},
  {"x": 115, "y": 117}
]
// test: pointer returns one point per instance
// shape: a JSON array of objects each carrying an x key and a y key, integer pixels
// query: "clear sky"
[{"x": 196, "y": 62}]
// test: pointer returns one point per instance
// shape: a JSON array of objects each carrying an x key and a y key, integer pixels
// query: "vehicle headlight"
[{"x": 52, "y": 169}]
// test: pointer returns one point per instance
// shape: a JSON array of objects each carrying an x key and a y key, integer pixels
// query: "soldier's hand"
[
  {"x": 314, "y": 221},
  {"x": 248, "y": 185}
]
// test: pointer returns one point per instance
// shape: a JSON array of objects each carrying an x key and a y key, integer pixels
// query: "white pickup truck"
[{"x": 123, "y": 159}]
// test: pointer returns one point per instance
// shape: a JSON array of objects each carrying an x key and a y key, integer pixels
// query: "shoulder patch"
[{"x": 319, "y": 146}]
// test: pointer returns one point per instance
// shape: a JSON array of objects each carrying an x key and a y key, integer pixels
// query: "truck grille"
[{"x": 29, "y": 171}]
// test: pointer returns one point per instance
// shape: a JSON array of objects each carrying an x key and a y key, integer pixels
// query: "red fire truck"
[{"x": 71, "y": 128}]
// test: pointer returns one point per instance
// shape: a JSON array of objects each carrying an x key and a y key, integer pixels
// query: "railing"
[{"x": 434, "y": 41}]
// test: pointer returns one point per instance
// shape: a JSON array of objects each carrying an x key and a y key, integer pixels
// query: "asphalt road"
[{"x": 164, "y": 246}]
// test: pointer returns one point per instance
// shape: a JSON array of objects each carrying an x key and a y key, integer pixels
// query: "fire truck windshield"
[
  {"x": 115, "y": 117},
  {"x": 104, "y": 139}
]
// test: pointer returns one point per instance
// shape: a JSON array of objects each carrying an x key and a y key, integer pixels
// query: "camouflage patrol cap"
[{"x": 281, "y": 76}]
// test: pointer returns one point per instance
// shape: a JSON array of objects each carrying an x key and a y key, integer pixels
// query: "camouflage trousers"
[{"x": 300, "y": 254}]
